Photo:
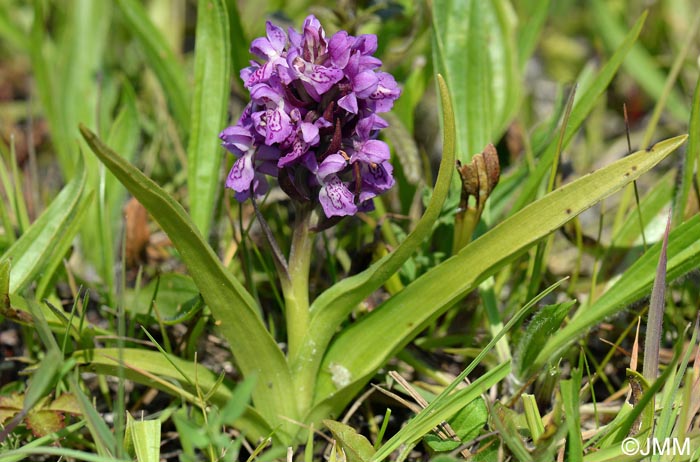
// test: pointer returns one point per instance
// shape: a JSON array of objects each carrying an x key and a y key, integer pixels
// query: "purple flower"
[{"x": 312, "y": 120}]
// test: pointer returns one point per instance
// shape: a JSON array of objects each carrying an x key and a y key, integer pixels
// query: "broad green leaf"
[
  {"x": 33, "y": 252},
  {"x": 142, "y": 366},
  {"x": 237, "y": 405},
  {"x": 211, "y": 89},
  {"x": 356, "y": 446},
  {"x": 582, "y": 107},
  {"x": 368, "y": 343},
  {"x": 160, "y": 57},
  {"x": 144, "y": 436},
  {"x": 333, "y": 305},
  {"x": 254, "y": 349},
  {"x": 425, "y": 421},
  {"x": 639, "y": 64},
  {"x": 635, "y": 283},
  {"x": 43, "y": 379},
  {"x": 470, "y": 420},
  {"x": 543, "y": 324},
  {"x": 474, "y": 48},
  {"x": 192, "y": 432}
]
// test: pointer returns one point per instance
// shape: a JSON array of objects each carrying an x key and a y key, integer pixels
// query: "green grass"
[{"x": 171, "y": 334}]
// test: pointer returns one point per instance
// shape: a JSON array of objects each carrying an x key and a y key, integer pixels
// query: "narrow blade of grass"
[
  {"x": 161, "y": 58},
  {"x": 656, "y": 312},
  {"x": 582, "y": 107}
]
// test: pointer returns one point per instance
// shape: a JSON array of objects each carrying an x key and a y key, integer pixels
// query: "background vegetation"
[{"x": 544, "y": 313}]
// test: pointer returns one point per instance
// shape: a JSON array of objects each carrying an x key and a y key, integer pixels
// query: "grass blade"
[
  {"x": 639, "y": 64},
  {"x": 582, "y": 107},
  {"x": 32, "y": 252},
  {"x": 163, "y": 61},
  {"x": 635, "y": 283},
  {"x": 656, "y": 312},
  {"x": 479, "y": 36},
  {"x": 211, "y": 90}
]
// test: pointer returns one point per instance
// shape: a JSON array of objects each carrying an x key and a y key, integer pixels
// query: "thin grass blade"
[
  {"x": 657, "y": 307},
  {"x": 161, "y": 58},
  {"x": 582, "y": 108},
  {"x": 633, "y": 285}
]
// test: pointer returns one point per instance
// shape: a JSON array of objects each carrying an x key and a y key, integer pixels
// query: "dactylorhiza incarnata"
[{"x": 312, "y": 120}]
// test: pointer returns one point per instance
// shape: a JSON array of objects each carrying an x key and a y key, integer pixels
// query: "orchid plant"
[
  {"x": 312, "y": 123},
  {"x": 314, "y": 132}
]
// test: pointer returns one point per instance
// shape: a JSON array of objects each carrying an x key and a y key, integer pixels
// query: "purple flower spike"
[{"x": 312, "y": 120}]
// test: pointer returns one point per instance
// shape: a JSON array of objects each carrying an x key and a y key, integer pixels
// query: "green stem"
[
  {"x": 296, "y": 286},
  {"x": 465, "y": 222}
]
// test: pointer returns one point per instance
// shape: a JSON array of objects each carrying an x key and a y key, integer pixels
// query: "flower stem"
[{"x": 296, "y": 285}]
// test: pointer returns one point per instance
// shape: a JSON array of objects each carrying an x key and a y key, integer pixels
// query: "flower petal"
[
  {"x": 373, "y": 151},
  {"x": 336, "y": 199},
  {"x": 278, "y": 126},
  {"x": 236, "y": 139},
  {"x": 349, "y": 103},
  {"x": 339, "y": 48},
  {"x": 241, "y": 174},
  {"x": 331, "y": 164}
]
